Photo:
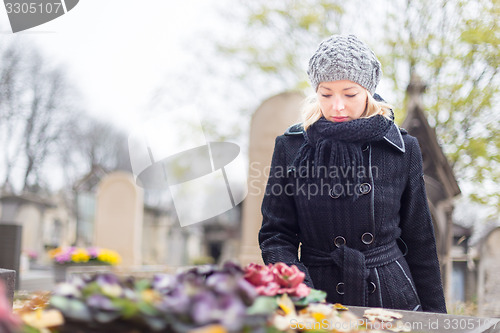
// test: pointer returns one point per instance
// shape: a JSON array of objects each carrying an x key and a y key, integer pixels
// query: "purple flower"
[
  {"x": 100, "y": 302},
  {"x": 177, "y": 301},
  {"x": 107, "y": 279},
  {"x": 232, "y": 268},
  {"x": 221, "y": 283},
  {"x": 226, "y": 310},
  {"x": 232, "y": 310},
  {"x": 110, "y": 285},
  {"x": 164, "y": 283},
  {"x": 247, "y": 291},
  {"x": 204, "y": 308}
]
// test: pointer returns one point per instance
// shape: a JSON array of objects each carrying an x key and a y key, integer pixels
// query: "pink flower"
[
  {"x": 32, "y": 254},
  {"x": 63, "y": 258},
  {"x": 302, "y": 290},
  {"x": 270, "y": 289},
  {"x": 93, "y": 252},
  {"x": 286, "y": 276},
  {"x": 258, "y": 275}
]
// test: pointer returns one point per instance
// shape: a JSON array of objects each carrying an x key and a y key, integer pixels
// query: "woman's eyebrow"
[
  {"x": 325, "y": 87},
  {"x": 349, "y": 88}
]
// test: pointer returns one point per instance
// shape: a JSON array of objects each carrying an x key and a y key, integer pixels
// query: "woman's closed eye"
[{"x": 351, "y": 95}]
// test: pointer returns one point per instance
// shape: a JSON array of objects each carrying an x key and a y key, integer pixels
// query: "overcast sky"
[{"x": 117, "y": 52}]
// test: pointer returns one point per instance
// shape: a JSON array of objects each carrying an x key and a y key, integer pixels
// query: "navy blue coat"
[{"x": 341, "y": 238}]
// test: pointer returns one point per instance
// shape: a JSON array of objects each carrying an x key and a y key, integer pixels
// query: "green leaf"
[
  {"x": 91, "y": 289},
  {"x": 72, "y": 308},
  {"x": 127, "y": 307},
  {"x": 263, "y": 304},
  {"x": 142, "y": 285},
  {"x": 147, "y": 308},
  {"x": 272, "y": 329},
  {"x": 315, "y": 296},
  {"x": 29, "y": 329}
]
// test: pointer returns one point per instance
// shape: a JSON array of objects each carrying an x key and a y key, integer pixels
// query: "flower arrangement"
[
  {"x": 199, "y": 297},
  {"x": 204, "y": 299},
  {"x": 64, "y": 255}
]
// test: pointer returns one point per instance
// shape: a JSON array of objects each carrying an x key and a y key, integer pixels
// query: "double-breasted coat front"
[{"x": 373, "y": 249}]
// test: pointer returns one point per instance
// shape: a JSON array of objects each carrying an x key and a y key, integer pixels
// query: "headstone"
[
  {"x": 489, "y": 276},
  {"x": 119, "y": 217},
  {"x": 8, "y": 277},
  {"x": 10, "y": 248},
  {"x": 31, "y": 217},
  {"x": 271, "y": 119}
]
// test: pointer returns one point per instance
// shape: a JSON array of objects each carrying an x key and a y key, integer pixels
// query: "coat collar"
[{"x": 395, "y": 138}]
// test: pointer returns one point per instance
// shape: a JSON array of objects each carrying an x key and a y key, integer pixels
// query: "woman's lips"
[{"x": 339, "y": 119}]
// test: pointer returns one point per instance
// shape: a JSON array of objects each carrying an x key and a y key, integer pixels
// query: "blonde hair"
[{"x": 311, "y": 111}]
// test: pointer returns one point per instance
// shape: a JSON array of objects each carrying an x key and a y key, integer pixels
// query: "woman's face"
[{"x": 341, "y": 100}]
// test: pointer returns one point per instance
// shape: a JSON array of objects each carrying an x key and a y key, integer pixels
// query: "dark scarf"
[{"x": 328, "y": 144}]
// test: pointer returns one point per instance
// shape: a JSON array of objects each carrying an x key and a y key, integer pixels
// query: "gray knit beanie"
[{"x": 344, "y": 58}]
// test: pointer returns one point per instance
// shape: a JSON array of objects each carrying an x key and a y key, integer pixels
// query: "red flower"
[
  {"x": 258, "y": 275},
  {"x": 286, "y": 276},
  {"x": 271, "y": 289},
  {"x": 277, "y": 279},
  {"x": 302, "y": 290}
]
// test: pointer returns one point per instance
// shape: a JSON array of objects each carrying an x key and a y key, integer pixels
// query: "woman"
[{"x": 347, "y": 186}]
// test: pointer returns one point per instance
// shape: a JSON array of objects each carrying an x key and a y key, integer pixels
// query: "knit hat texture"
[{"x": 344, "y": 58}]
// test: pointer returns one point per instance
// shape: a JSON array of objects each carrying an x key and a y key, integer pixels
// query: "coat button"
[
  {"x": 290, "y": 171},
  {"x": 365, "y": 188},
  {"x": 372, "y": 287},
  {"x": 339, "y": 241},
  {"x": 333, "y": 194},
  {"x": 367, "y": 238},
  {"x": 340, "y": 288}
]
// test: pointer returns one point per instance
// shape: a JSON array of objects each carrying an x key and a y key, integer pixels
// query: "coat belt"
[{"x": 355, "y": 266}]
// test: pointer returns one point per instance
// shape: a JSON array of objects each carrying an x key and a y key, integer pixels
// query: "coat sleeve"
[
  {"x": 278, "y": 236},
  {"x": 418, "y": 234}
]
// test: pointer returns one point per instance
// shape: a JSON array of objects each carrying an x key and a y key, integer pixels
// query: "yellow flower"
[
  {"x": 109, "y": 256},
  {"x": 80, "y": 255},
  {"x": 286, "y": 304},
  {"x": 54, "y": 252},
  {"x": 150, "y": 296}
]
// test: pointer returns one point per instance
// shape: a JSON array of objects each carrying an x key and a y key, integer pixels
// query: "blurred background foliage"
[{"x": 46, "y": 135}]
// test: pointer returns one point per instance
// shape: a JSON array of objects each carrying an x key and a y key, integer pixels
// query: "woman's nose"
[{"x": 338, "y": 104}]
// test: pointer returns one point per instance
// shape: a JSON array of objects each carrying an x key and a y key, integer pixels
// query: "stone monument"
[
  {"x": 270, "y": 119},
  {"x": 119, "y": 217},
  {"x": 489, "y": 276}
]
